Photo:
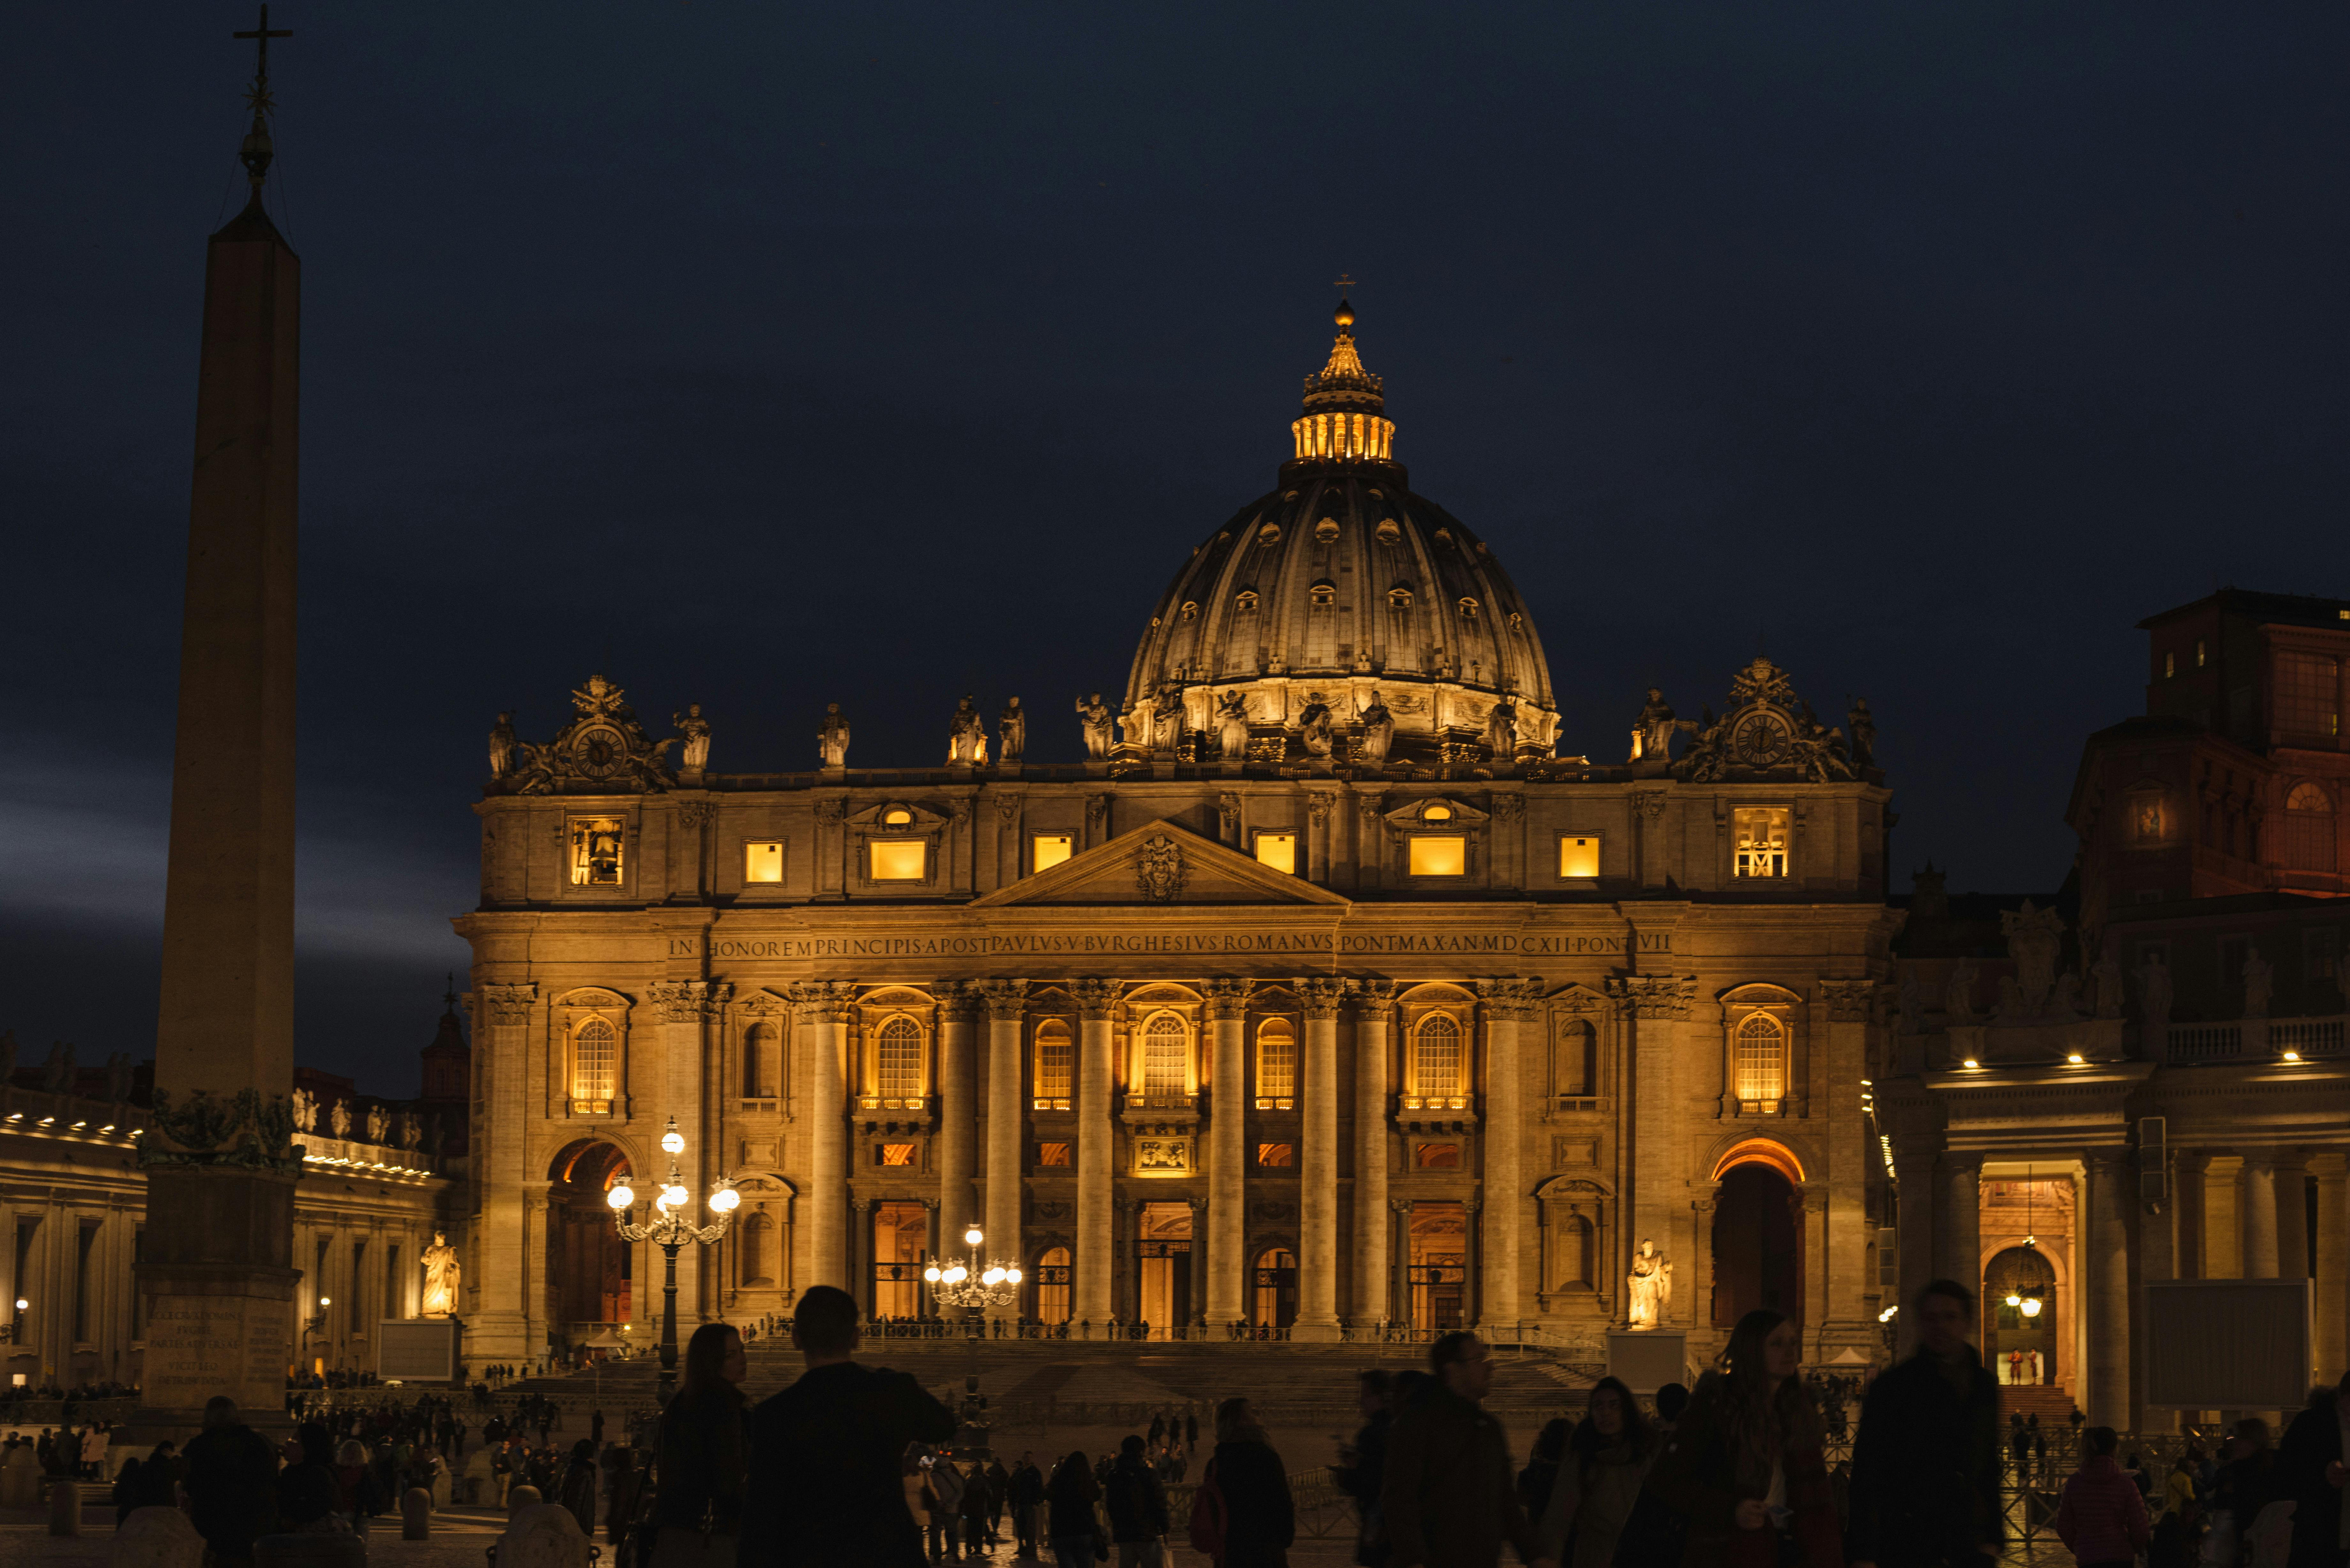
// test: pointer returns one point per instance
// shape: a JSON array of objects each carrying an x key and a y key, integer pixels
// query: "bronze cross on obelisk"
[
  {"x": 256, "y": 152},
  {"x": 263, "y": 33}
]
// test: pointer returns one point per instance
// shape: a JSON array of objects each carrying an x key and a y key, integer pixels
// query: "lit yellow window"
[
  {"x": 763, "y": 862},
  {"x": 1760, "y": 833},
  {"x": 1435, "y": 811},
  {"x": 1053, "y": 1154},
  {"x": 1278, "y": 850},
  {"x": 898, "y": 859},
  {"x": 1760, "y": 1056},
  {"x": 595, "y": 1067},
  {"x": 1578, "y": 857},
  {"x": 896, "y": 817},
  {"x": 596, "y": 843},
  {"x": 1046, "y": 850},
  {"x": 2170, "y": 665},
  {"x": 2199, "y": 653},
  {"x": 1438, "y": 855},
  {"x": 1276, "y": 1154},
  {"x": 1056, "y": 1064},
  {"x": 1276, "y": 1065},
  {"x": 895, "y": 1154}
]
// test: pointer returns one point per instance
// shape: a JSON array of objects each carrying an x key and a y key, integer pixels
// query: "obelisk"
[{"x": 221, "y": 1166}]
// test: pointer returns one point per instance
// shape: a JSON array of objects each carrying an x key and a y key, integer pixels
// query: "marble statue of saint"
[
  {"x": 1012, "y": 730},
  {"x": 412, "y": 1129},
  {"x": 1652, "y": 732},
  {"x": 1095, "y": 714},
  {"x": 339, "y": 1118},
  {"x": 1959, "y": 992},
  {"x": 305, "y": 1110},
  {"x": 58, "y": 1072},
  {"x": 2034, "y": 937},
  {"x": 1863, "y": 725},
  {"x": 1501, "y": 731},
  {"x": 1313, "y": 726},
  {"x": 966, "y": 736},
  {"x": 1232, "y": 726},
  {"x": 2260, "y": 983},
  {"x": 1167, "y": 719},
  {"x": 2154, "y": 1002},
  {"x": 832, "y": 737},
  {"x": 1651, "y": 1283},
  {"x": 2105, "y": 975},
  {"x": 696, "y": 731},
  {"x": 1378, "y": 731},
  {"x": 441, "y": 1278},
  {"x": 502, "y": 745},
  {"x": 379, "y": 1125}
]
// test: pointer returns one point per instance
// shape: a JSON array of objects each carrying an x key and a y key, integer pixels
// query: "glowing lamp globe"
[
  {"x": 2032, "y": 1306},
  {"x": 725, "y": 1200},
  {"x": 957, "y": 1274},
  {"x": 1011, "y": 1276},
  {"x": 972, "y": 1238},
  {"x": 673, "y": 1141},
  {"x": 992, "y": 1277},
  {"x": 620, "y": 1197},
  {"x": 931, "y": 1273},
  {"x": 675, "y": 1196}
]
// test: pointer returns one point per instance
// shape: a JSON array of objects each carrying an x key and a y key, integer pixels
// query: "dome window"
[
  {"x": 1246, "y": 603},
  {"x": 1327, "y": 530},
  {"x": 1388, "y": 532},
  {"x": 1444, "y": 535},
  {"x": 1190, "y": 610},
  {"x": 1468, "y": 608},
  {"x": 1400, "y": 598},
  {"x": 1323, "y": 594},
  {"x": 1270, "y": 535}
]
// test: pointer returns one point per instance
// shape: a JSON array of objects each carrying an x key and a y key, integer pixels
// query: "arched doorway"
[
  {"x": 1272, "y": 1300},
  {"x": 1757, "y": 1245},
  {"x": 1438, "y": 1270},
  {"x": 1051, "y": 1274},
  {"x": 2020, "y": 1337},
  {"x": 590, "y": 1272},
  {"x": 901, "y": 1233},
  {"x": 1166, "y": 1283}
]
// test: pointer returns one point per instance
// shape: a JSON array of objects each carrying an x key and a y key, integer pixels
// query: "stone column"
[
  {"x": 2292, "y": 1187},
  {"x": 218, "y": 1154},
  {"x": 1914, "y": 1164},
  {"x": 1508, "y": 1004},
  {"x": 688, "y": 1008},
  {"x": 1962, "y": 1220},
  {"x": 822, "y": 1005},
  {"x": 1398, "y": 1280},
  {"x": 1008, "y": 1000},
  {"x": 1317, "y": 1187},
  {"x": 1097, "y": 1253},
  {"x": 1227, "y": 1167},
  {"x": 1700, "y": 1305},
  {"x": 2256, "y": 1210},
  {"x": 1818, "y": 1300},
  {"x": 2187, "y": 1180},
  {"x": 1374, "y": 1021},
  {"x": 859, "y": 1264},
  {"x": 2330, "y": 1294},
  {"x": 2154, "y": 1256},
  {"x": 2106, "y": 1282},
  {"x": 1654, "y": 1007},
  {"x": 958, "y": 1110},
  {"x": 494, "y": 1274}
]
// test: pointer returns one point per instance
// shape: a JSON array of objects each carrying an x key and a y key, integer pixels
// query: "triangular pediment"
[{"x": 1162, "y": 864}]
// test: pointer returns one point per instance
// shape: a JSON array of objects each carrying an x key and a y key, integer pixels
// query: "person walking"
[
  {"x": 700, "y": 1457},
  {"x": 1925, "y": 1463},
  {"x": 356, "y": 1496},
  {"x": 2310, "y": 1474},
  {"x": 1136, "y": 1502},
  {"x": 1448, "y": 1501},
  {"x": 577, "y": 1489},
  {"x": 999, "y": 1495},
  {"x": 2102, "y": 1519},
  {"x": 1069, "y": 1499},
  {"x": 1027, "y": 1502},
  {"x": 1363, "y": 1465},
  {"x": 231, "y": 1484},
  {"x": 827, "y": 1453},
  {"x": 1606, "y": 1459},
  {"x": 1539, "y": 1480},
  {"x": 975, "y": 1503},
  {"x": 942, "y": 1491}
]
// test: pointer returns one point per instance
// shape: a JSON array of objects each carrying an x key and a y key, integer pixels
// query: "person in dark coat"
[
  {"x": 577, "y": 1491},
  {"x": 1363, "y": 1466},
  {"x": 1260, "y": 1520},
  {"x": 232, "y": 1482},
  {"x": 1925, "y": 1464},
  {"x": 1069, "y": 1499},
  {"x": 2310, "y": 1474},
  {"x": 827, "y": 1453},
  {"x": 1448, "y": 1499},
  {"x": 1136, "y": 1502},
  {"x": 999, "y": 1494},
  {"x": 700, "y": 1460},
  {"x": 1027, "y": 1502}
]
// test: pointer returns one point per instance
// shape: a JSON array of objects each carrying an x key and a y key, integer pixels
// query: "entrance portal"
[
  {"x": 1166, "y": 1293},
  {"x": 1757, "y": 1250},
  {"x": 1438, "y": 1270},
  {"x": 901, "y": 1234},
  {"x": 589, "y": 1273},
  {"x": 2020, "y": 1317},
  {"x": 1274, "y": 1304},
  {"x": 1052, "y": 1276}
]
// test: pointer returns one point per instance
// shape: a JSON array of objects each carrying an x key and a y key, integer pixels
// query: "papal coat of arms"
[{"x": 1159, "y": 870}]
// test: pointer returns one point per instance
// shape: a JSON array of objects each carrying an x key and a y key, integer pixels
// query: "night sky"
[{"x": 767, "y": 356}]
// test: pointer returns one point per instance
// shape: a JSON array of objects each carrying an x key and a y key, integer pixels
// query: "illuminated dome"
[{"x": 1341, "y": 583}]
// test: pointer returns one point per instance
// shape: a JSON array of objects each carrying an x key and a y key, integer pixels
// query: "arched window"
[
  {"x": 751, "y": 1251},
  {"x": 1164, "y": 1057},
  {"x": 2306, "y": 834},
  {"x": 1277, "y": 1065},
  {"x": 1055, "y": 1059},
  {"x": 595, "y": 1064},
  {"x": 1053, "y": 1285},
  {"x": 899, "y": 1060},
  {"x": 1760, "y": 1058},
  {"x": 1436, "y": 1062},
  {"x": 761, "y": 1062}
]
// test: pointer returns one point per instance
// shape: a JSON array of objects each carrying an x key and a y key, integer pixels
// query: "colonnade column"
[
  {"x": 2187, "y": 1172},
  {"x": 1962, "y": 1220},
  {"x": 1654, "y": 1006},
  {"x": 1006, "y": 1001},
  {"x": 1227, "y": 1113},
  {"x": 2112, "y": 1183},
  {"x": 1913, "y": 1164},
  {"x": 958, "y": 1112},
  {"x": 1506, "y": 1006},
  {"x": 1097, "y": 1250},
  {"x": 1374, "y": 1016},
  {"x": 1815, "y": 1292},
  {"x": 2154, "y": 1254},
  {"x": 1317, "y": 1191},
  {"x": 2331, "y": 1337},
  {"x": 2290, "y": 1184},
  {"x": 820, "y": 1005},
  {"x": 496, "y": 1332},
  {"x": 2256, "y": 1211}
]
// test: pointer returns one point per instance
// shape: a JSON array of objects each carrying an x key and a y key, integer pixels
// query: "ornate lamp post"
[
  {"x": 671, "y": 1230},
  {"x": 973, "y": 1284}
]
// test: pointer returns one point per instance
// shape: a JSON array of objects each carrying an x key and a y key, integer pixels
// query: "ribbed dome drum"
[{"x": 1339, "y": 584}]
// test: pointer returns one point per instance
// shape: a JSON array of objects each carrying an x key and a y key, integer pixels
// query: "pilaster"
[
  {"x": 1374, "y": 1029},
  {"x": 958, "y": 1108},
  {"x": 1227, "y": 1011},
  {"x": 1007, "y": 1001},
  {"x": 1097, "y": 1135},
  {"x": 1317, "y": 1294},
  {"x": 822, "y": 1006}
]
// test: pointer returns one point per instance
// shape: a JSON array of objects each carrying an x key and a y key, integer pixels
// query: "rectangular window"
[
  {"x": 894, "y": 1153},
  {"x": 2169, "y": 665},
  {"x": 595, "y": 846},
  {"x": 1278, "y": 850},
  {"x": 2306, "y": 696},
  {"x": 1052, "y": 1154},
  {"x": 1276, "y": 1154},
  {"x": 2320, "y": 954},
  {"x": 1046, "y": 850},
  {"x": 1578, "y": 859},
  {"x": 85, "y": 1304},
  {"x": 898, "y": 860},
  {"x": 1056, "y": 1064},
  {"x": 1760, "y": 833},
  {"x": 1438, "y": 855},
  {"x": 1436, "y": 1156},
  {"x": 764, "y": 862}
]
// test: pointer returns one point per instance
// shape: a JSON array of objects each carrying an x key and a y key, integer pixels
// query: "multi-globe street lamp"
[
  {"x": 974, "y": 1283},
  {"x": 671, "y": 1230}
]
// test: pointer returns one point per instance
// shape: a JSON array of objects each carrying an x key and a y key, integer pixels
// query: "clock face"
[
  {"x": 599, "y": 752},
  {"x": 1761, "y": 740}
]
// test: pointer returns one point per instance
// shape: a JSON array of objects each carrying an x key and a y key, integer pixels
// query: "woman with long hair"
[
  {"x": 701, "y": 1455},
  {"x": 1606, "y": 1460},
  {"x": 1743, "y": 1470},
  {"x": 1070, "y": 1497}
]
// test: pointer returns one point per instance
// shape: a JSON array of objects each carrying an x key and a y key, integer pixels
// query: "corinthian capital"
[
  {"x": 1004, "y": 998},
  {"x": 1227, "y": 998},
  {"x": 822, "y": 1001},
  {"x": 1322, "y": 994},
  {"x": 957, "y": 999},
  {"x": 509, "y": 1004},
  {"x": 1655, "y": 995},
  {"x": 1094, "y": 996},
  {"x": 1848, "y": 1000},
  {"x": 690, "y": 1001},
  {"x": 1510, "y": 997},
  {"x": 1374, "y": 996}
]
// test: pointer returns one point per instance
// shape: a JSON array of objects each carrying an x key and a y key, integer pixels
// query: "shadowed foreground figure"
[
  {"x": 827, "y": 1454},
  {"x": 232, "y": 1483}
]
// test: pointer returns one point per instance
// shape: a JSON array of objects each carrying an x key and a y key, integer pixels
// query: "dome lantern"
[{"x": 1345, "y": 418}]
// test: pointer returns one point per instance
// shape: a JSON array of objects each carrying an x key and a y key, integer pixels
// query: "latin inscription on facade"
[{"x": 1179, "y": 943}]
